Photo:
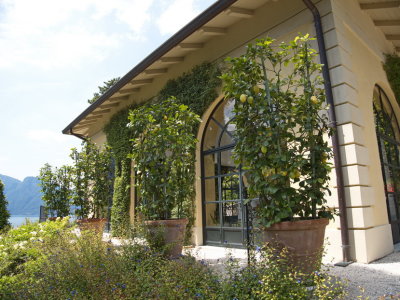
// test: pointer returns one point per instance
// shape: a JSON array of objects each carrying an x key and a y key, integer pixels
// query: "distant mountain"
[{"x": 24, "y": 197}]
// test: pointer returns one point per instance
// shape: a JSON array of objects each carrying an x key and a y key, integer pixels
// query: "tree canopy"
[
  {"x": 4, "y": 214},
  {"x": 103, "y": 89}
]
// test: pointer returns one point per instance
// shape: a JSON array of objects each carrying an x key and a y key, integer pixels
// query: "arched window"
[
  {"x": 223, "y": 190},
  {"x": 388, "y": 133}
]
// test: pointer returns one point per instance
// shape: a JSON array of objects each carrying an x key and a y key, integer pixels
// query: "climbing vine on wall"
[
  {"x": 118, "y": 137},
  {"x": 392, "y": 68},
  {"x": 196, "y": 89}
]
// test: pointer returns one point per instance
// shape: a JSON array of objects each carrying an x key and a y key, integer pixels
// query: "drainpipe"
[
  {"x": 77, "y": 135},
  {"x": 335, "y": 138}
]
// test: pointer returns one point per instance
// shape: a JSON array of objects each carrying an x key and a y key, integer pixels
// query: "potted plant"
[
  {"x": 281, "y": 132},
  {"x": 56, "y": 190},
  {"x": 163, "y": 153},
  {"x": 92, "y": 178}
]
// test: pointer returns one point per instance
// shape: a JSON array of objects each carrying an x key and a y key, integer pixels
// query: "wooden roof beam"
[
  {"x": 171, "y": 60},
  {"x": 393, "y": 37},
  {"x": 109, "y": 105},
  {"x": 379, "y": 5},
  {"x": 100, "y": 112},
  {"x": 84, "y": 124},
  {"x": 81, "y": 126},
  {"x": 213, "y": 31},
  {"x": 93, "y": 118},
  {"x": 117, "y": 99},
  {"x": 387, "y": 22},
  {"x": 156, "y": 71},
  {"x": 240, "y": 12},
  {"x": 128, "y": 91},
  {"x": 190, "y": 46},
  {"x": 141, "y": 81}
]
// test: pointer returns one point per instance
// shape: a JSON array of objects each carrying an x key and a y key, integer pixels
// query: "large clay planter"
[
  {"x": 302, "y": 238},
  {"x": 173, "y": 234},
  {"x": 93, "y": 224}
]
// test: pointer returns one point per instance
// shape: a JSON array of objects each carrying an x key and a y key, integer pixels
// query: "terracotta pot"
[
  {"x": 173, "y": 233},
  {"x": 302, "y": 238},
  {"x": 94, "y": 224},
  {"x": 52, "y": 218}
]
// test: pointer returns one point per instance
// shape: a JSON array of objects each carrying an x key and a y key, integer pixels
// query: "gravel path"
[{"x": 378, "y": 278}]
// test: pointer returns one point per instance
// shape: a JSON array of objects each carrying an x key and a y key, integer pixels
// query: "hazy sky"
[{"x": 54, "y": 54}]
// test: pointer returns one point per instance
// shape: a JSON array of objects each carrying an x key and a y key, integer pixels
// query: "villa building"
[{"x": 356, "y": 35}]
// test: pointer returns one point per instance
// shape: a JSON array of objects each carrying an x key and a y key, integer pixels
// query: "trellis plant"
[
  {"x": 281, "y": 128},
  {"x": 164, "y": 157},
  {"x": 92, "y": 178},
  {"x": 56, "y": 189}
]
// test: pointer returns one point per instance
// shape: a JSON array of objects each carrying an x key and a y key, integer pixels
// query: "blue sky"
[{"x": 54, "y": 54}]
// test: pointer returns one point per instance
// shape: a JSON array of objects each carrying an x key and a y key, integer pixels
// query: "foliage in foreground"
[
  {"x": 64, "y": 266},
  {"x": 20, "y": 248}
]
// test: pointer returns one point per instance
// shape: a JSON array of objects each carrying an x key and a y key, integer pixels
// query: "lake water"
[{"x": 18, "y": 220}]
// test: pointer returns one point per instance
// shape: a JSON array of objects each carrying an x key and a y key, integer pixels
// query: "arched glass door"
[
  {"x": 388, "y": 133},
  {"x": 223, "y": 190}
]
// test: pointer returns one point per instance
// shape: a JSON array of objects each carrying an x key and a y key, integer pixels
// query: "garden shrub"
[
  {"x": 272, "y": 276},
  {"x": 121, "y": 201},
  {"x": 88, "y": 268},
  {"x": 91, "y": 269},
  {"x": 57, "y": 264},
  {"x": 21, "y": 248}
]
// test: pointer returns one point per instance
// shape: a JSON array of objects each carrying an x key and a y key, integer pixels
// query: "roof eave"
[{"x": 178, "y": 37}]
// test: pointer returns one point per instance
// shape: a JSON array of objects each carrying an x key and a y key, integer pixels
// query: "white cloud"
[
  {"x": 48, "y": 33},
  {"x": 45, "y": 135},
  {"x": 178, "y": 14}
]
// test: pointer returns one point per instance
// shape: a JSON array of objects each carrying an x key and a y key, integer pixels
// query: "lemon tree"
[
  {"x": 281, "y": 128},
  {"x": 163, "y": 152}
]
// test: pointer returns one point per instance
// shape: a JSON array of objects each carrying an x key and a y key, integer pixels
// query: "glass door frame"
[
  {"x": 223, "y": 241},
  {"x": 383, "y": 137}
]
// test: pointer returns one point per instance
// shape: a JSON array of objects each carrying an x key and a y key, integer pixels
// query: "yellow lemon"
[
  {"x": 243, "y": 98},
  {"x": 314, "y": 99},
  {"x": 263, "y": 149},
  {"x": 256, "y": 89},
  {"x": 250, "y": 100}
]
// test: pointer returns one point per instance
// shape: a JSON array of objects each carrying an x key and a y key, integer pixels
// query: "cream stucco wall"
[{"x": 355, "y": 54}]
